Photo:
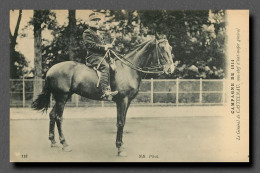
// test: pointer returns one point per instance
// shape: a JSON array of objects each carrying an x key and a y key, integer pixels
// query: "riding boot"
[
  {"x": 105, "y": 82},
  {"x": 104, "y": 77}
]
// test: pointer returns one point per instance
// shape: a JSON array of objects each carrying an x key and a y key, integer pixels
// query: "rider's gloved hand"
[{"x": 107, "y": 46}]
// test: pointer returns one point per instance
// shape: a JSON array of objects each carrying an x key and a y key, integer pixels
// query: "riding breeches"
[{"x": 103, "y": 68}]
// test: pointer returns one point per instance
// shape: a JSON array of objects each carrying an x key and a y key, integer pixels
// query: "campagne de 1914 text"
[{"x": 235, "y": 85}]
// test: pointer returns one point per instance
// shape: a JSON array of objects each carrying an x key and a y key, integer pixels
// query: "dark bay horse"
[{"x": 66, "y": 78}]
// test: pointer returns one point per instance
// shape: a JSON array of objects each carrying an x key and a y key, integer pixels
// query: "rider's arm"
[{"x": 89, "y": 40}]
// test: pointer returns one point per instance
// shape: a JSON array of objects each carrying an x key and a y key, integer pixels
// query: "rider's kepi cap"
[{"x": 95, "y": 15}]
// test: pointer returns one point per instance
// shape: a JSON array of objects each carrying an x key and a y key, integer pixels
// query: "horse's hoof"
[
  {"x": 55, "y": 145},
  {"x": 122, "y": 153},
  {"x": 66, "y": 149}
]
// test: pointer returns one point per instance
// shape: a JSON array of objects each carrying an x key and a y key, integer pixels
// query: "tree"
[
  {"x": 41, "y": 19},
  {"x": 13, "y": 54},
  {"x": 37, "y": 32},
  {"x": 72, "y": 32},
  {"x": 58, "y": 49},
  {"x": 197, "y": 38}
]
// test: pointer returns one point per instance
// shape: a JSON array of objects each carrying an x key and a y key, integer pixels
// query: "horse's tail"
[{"x": 42, "y": 102}]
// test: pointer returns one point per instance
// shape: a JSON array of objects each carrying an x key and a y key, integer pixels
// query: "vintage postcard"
[{"x": 129, "y": 85}]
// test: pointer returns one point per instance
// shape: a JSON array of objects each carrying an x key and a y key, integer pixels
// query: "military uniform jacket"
[{"x": 94, "y": 43}]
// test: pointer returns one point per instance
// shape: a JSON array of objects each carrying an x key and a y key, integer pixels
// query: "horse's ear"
[{"x": 157, "y": 37}]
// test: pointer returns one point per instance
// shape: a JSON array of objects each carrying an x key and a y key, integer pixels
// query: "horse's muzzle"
[{"x": 169, "y": 68}]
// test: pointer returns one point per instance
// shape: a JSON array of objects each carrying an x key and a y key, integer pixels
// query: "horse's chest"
[{"x": 127, "y": 83}]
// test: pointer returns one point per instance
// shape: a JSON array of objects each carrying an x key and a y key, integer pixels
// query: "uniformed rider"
[{"x": 96, "y": 49}]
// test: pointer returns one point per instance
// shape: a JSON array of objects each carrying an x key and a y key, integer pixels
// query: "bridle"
[
  {"x": 158, "y": 50},
  {"x": 157, "y": 69}
]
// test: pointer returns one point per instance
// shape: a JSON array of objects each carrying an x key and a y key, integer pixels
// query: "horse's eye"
[{"x": 161, "y": 46}]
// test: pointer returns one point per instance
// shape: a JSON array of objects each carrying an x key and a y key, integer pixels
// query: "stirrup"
[{"x": 109, "y": 93}]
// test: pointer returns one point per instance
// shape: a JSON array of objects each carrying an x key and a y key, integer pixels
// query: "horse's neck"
[{"x": 141, "y": 58}]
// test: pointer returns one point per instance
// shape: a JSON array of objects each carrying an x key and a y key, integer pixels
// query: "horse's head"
[{"x": 164, "y": 53}]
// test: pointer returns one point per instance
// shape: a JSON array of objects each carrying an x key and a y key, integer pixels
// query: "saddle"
[{"x": 112, "y": 66}]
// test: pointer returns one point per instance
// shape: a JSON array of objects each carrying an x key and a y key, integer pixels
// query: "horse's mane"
[{"x": 139, "y": 48}]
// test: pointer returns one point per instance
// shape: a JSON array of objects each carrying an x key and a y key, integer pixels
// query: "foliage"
[
  {"x": 57, "y": 50},
  {"x": 20, "y": 65},
  {"x": 197, "y": 38},
  {"x": 46, "y": 18},
  {"x": 15, "y": 67}
]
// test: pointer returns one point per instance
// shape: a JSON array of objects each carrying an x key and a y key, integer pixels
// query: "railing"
[{"x": 152, "y": 92}]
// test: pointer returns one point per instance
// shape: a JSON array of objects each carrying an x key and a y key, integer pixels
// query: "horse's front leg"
[{"x": 122, "y": 106}]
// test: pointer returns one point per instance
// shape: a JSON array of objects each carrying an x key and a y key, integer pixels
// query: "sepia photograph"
[{"x": 129, "y": 85}]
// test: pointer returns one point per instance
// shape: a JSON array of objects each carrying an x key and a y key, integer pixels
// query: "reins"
[
  {"x": 137, "y": 68},
  {"x": 151, "y": 69}
]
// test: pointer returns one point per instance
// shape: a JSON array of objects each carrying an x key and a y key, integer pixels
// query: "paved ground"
[{"x": 155, "y": 134}]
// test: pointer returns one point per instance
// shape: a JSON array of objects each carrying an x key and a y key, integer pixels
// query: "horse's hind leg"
[
  {"x": 60, "y": 104},
  {"x": 52, "y": 127}
]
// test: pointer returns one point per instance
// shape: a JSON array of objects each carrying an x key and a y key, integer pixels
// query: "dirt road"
[{"x": 146, "y": 139}]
